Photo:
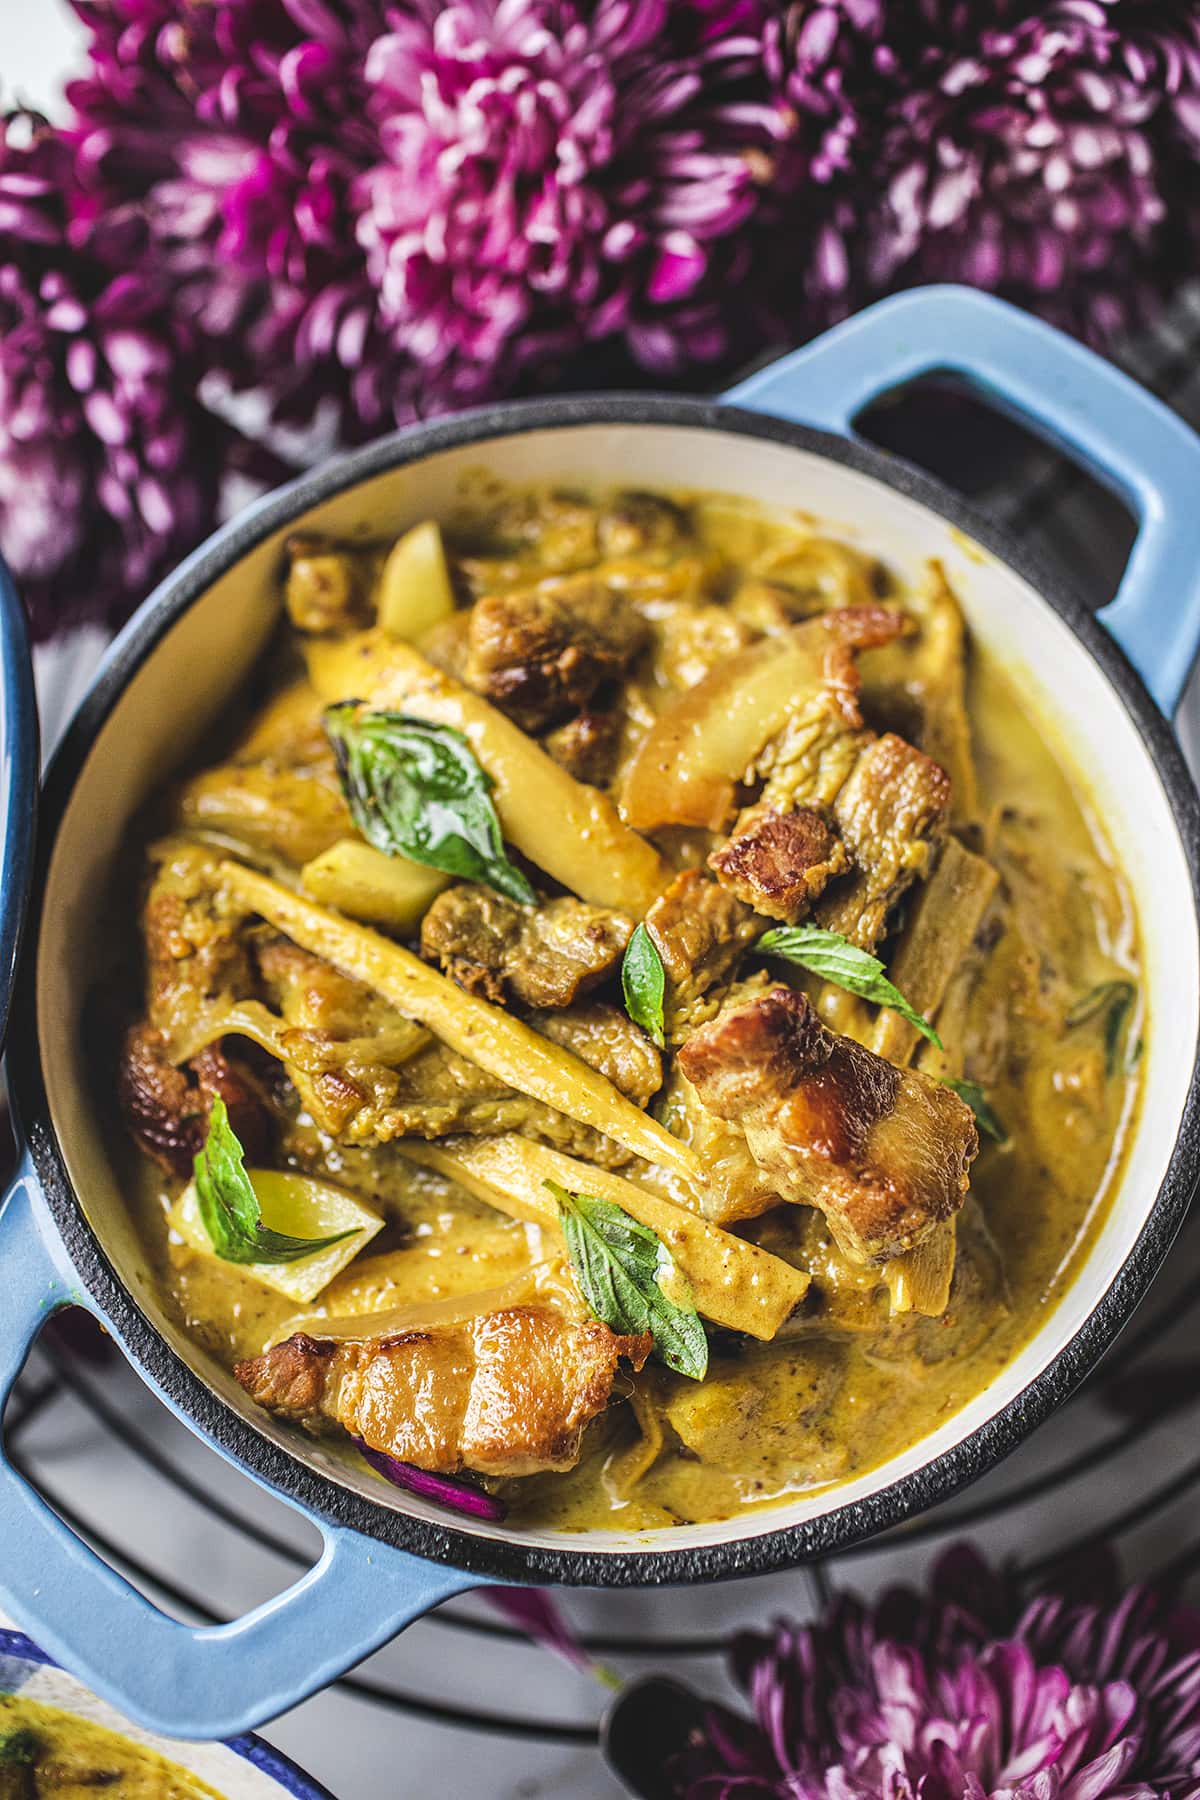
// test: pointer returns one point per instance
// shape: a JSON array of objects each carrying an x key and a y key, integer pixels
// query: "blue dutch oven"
[{"x": 1104, "y": 686}]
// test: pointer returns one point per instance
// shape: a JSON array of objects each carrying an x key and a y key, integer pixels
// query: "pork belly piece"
[
  {"x": 607, "y": 1038},
  {"x": 543, "y": 956},
  {"x": 779, "y": 863},
  {"x": 891, "y": 812},
  {"x": 735, "y": 1188},
  {"x": 507, "y": 1393},
  {"x": 197, "y": 960},
  {"x": 367, "y": 1075},
  {"x": 700, "y": 931},
  {"x": 884, "y": 1153},
  {"x": 166, "y": 1107},
  {"x": 322, "y": 589},
  {"x": 540, "y": 653},
  {"x": 197, "y": 965},
  {"x": 587, "y": 745}
]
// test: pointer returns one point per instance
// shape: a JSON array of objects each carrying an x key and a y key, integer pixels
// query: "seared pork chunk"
[
  {"x": 587, "y": 745},
  {"x": 543, "y": 956},
  {"x": 884, "y": 1153},
  {"x": 891, "y": 812},
  {"x": 540, "y": 653},
  {"x": 779, "y": 863},
  {"x": 321, "y": 590},
  {"x": 197, "y": 961},
  {"x": 636, "y": 523},
  {"x": 367, "y": 1075},
  {"x": 700, "y": 931},
  {"x": 735, "y": 1188},
  {"x": 507, "y": 1393},
  {"x": 607, "y": 1038},
  {"x": 197, "y": 965},
  {"x": 166, "y": 1108}
]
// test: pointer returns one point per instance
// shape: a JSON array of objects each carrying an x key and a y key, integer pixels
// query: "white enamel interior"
[{"x": 163, "y": 714}]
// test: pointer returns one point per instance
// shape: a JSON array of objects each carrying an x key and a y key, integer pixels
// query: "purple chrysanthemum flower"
[
  {"x": 1048, "y": 152},
  {"x": 939, "y": 1698},
  {"x": 109, "y": 467},
  {"x": 402, "y": 206},
  {"x": 552, "y": 174}
]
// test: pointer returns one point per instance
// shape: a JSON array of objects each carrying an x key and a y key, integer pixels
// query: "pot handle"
[
  {"x": 183, "y": 1680},
  {"x": 1071, "y": 397},
  {"x": 18, "y": 782}
]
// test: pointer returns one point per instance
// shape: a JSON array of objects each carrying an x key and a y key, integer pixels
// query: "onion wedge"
[{"x": 690, "y": 762}]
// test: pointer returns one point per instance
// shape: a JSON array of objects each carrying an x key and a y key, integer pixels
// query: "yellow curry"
[
  {"x": 47, "y": 1754},
  {"x": 633, "y": 1021}
]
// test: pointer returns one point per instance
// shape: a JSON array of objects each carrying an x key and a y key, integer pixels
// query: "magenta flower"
[
  {"x": 110, "y": 468},
  {"x": 1047, "y": 152},
  {"x": 936, "y": 1698},
  {"x": 394, "y": 207}
]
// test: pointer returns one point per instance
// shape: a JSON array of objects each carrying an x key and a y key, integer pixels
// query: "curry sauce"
[{"x": 698, "y": 727}]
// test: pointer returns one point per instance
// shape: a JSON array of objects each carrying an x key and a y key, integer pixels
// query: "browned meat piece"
[
  {"x": 540, "y": 653},
  {"x": 543, "y": 956},
  {"x": 779, "y": 863},
  {"x": 508, "y": 1393},
  {"x": 321, "y": 591},
  {"x": 166, "y": 1108},
  {"x": 736, "y": 1188},
  {"x": 635, "y": 523},
  {"x": 700, "y": 931},
  {"x": 368, "y": 1075},
  {"x": 607, "y": 1038},
  {"x": 587, "y": 745},
  {"x": 891, "y": 811},
  {"x": 196, "y": 957},
  {"x": 885, "y": 1153}
]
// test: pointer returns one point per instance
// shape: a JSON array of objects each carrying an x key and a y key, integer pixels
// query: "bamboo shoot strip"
[
  {"x": 946, "y": 912},
  {"x": 570, "y": 830},
  {"x": 734, "y": 1283},
  {"x": 488, "y": 1036}
]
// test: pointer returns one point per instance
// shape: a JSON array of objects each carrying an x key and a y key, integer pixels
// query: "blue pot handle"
[
  {"x": 18, "y": 783},
  {"x": 1071, "y": 397},
  {"x": 184, "y": 1680}
]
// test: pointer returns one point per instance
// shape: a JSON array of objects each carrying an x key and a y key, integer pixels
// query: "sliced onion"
[
  {"x": 459, "y": 1496},
  {"x": 550, "y": 1281}
]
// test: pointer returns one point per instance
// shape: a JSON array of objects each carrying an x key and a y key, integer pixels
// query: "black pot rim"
[{"x": 212, "y": 1417}]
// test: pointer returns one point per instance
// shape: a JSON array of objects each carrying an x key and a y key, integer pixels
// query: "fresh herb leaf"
[
  {"x": 620, "y": 1266},
  {"x": 836, "y": 959},
  {"x": 977, "y": 1100},
  {"x": 644, "y": 983},
  {"x": 229, "y": 1208},
  {"x": 20, "y": 1747},
  {"x": 1113, "y": 1001},
  {"x": 416, "y": 790}
]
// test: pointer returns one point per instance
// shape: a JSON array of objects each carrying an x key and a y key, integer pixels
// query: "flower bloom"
[
  {"x": 109, "y": 466},
  {"x": 939, "y": 1698}
]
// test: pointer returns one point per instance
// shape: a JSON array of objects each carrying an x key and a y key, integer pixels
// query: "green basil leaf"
[
  {"x": 836, "y": 959},
  {"x": 20, "y": 1748},
  {"x": 1112, "y": 1001},
  {"x": 619, "y": 1266},
  {"x": 229, "y": 1208},
  {"x": 977, "y": 1100},
  {"x": 644, "y": 983},
  {"x": 416, "y": 790}
]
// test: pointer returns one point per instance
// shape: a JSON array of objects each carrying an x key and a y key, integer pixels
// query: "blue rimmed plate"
[{"x": 242, "y": 1768}]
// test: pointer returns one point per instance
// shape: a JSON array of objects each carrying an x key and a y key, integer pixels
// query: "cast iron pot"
[{"x": 1102, "y": 687}]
